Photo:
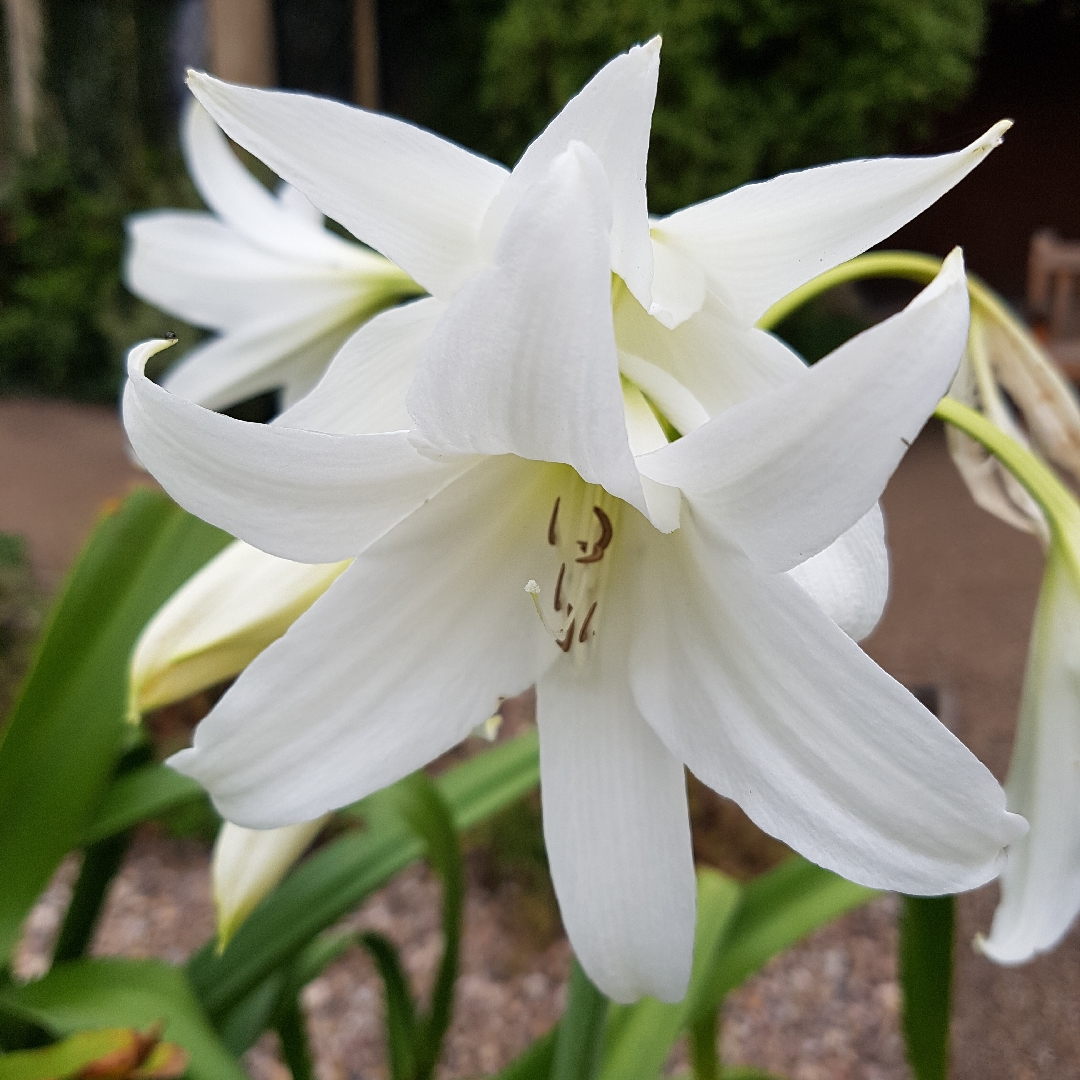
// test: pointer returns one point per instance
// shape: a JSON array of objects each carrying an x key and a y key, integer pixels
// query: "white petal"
[
  {"x": 670, "y": 396},
  {"x": 364, "y": 388},
  {"x": 263, "y": 355},
  {"x": 220, "y": 620},
  {"x": 298, "y": 204},
  {"x": 787, "y": 472},
  {"x": 717, "y": 361},
  {"x": 418, "y": 199},
  {"x": 524, "y": 362},
  {"x": 678, "y": 285},
  {"x": 612, "y": 115},
  {"x": 192, "y": 266},
  {"x": 771, "y": 704},
  {"x": 646, "y": 434},
  {"x": 248, "y": 207},
  {"x": 758, "y": 243},
  {"x": 849, "y": 580},
  {"x": 297, "y": 494},
  {"x": 248, "y": 863},
  {"x": 1040, "y": 886},
  {"x": 410, "y": 649},
  {"x": 615, "y": 820}
]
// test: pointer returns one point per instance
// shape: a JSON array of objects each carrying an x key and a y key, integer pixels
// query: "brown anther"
[
  {"x": 585, "y": 625},
  {"x": 553, "y": 536},
  {"x": 583, "y": 544},
  {"x": 558, "y": 588},
  {"x": 568, "y": 640},
  {"x": 601, "y": 545}
]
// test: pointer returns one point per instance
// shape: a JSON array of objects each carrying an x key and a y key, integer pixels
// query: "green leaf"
[
  {"x": 403, "y": 1031},
  {"x": 291, "y": 1026},
  {"x": 245, "y": 1022},
  {"x": 63, "y": 1060},
  {"x": 777, "y": 910},
  {"x": 135, "y": 796},
  {"x": 124, "y": 993},
  {"x": 926, "y": 943},
  {"x": 641, "y": 1036},
  {"x": 62, "y": 739},
  {"x": 480, "y": 788},
  {"x": 534, "y": 1063},
  {"x": 242, "y": 1025},
  {"x": 427, "y": 814},
  {"x": 737, "y": 1072},
  {"x": 340, "y": 875},
  {"x": 579, "y": 1045},
  {"x": 314, "y": 896}
]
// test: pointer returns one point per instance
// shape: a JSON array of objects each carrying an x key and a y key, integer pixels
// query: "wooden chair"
[{"x": 1053, "y": 298}]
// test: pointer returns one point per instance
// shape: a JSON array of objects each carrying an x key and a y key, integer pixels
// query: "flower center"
[{"x": 582, "y": 528}]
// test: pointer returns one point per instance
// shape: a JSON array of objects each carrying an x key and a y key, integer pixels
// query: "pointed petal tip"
[
  {"x": 652, "y": 46},
  {"x": 1004, "y": 953},
  {"x": 951, "y": 276},
  {"x": 139, "y": 354},
  {"x": 994, "y": 137}
]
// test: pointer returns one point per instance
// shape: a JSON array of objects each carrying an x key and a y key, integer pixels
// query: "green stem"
[
  {"x": 927, "y": 927},
  {"x": 902, "y": 264},
  {"x": 101, "y": 861},
  {"x": 704, "y": 1055},
  {"x": 1038, "y": 479},
  {"x": 906, "y": 265}
]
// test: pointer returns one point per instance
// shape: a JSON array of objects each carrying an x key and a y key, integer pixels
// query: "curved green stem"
[
  {"x": 1038, "y": 479},
  {"x": 906, "y": 265},
  {"x": 909, "y": 265}
]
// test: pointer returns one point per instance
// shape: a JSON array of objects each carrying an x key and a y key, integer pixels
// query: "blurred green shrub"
[
  {"x": 60, "y": 250},
  {"x": 748, "y": 88},
  {"x": 106, "y": 148}
]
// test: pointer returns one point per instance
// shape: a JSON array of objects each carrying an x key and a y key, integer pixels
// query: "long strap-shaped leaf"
[
  {"x": 580, "y": 1042},
  {"x": 90, "y": 994},
  {"x": 739, "y": 930},
  {"x": 340, "y": 875},
  {"x": 414, "y": 1039},
  {"x": 61, "y": 742}
]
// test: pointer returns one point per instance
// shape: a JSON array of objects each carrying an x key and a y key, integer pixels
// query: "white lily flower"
[
  {"x": 248, "y": 863},
  {"x": 215, "y": 624},
  {"x": 280, "y": 290},
  {"x": 1040, "y": 885},
  {"x": 517, "y": 434}
]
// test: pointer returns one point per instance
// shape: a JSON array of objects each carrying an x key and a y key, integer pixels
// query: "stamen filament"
[
  {"x": 553, "y": 535},
  {"x": 585, "y": 625}
]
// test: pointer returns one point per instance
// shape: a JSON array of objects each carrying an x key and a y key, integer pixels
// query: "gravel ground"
[
  {"x": 825, "y": 1009},
  {"x": 959, "y": 615}
]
